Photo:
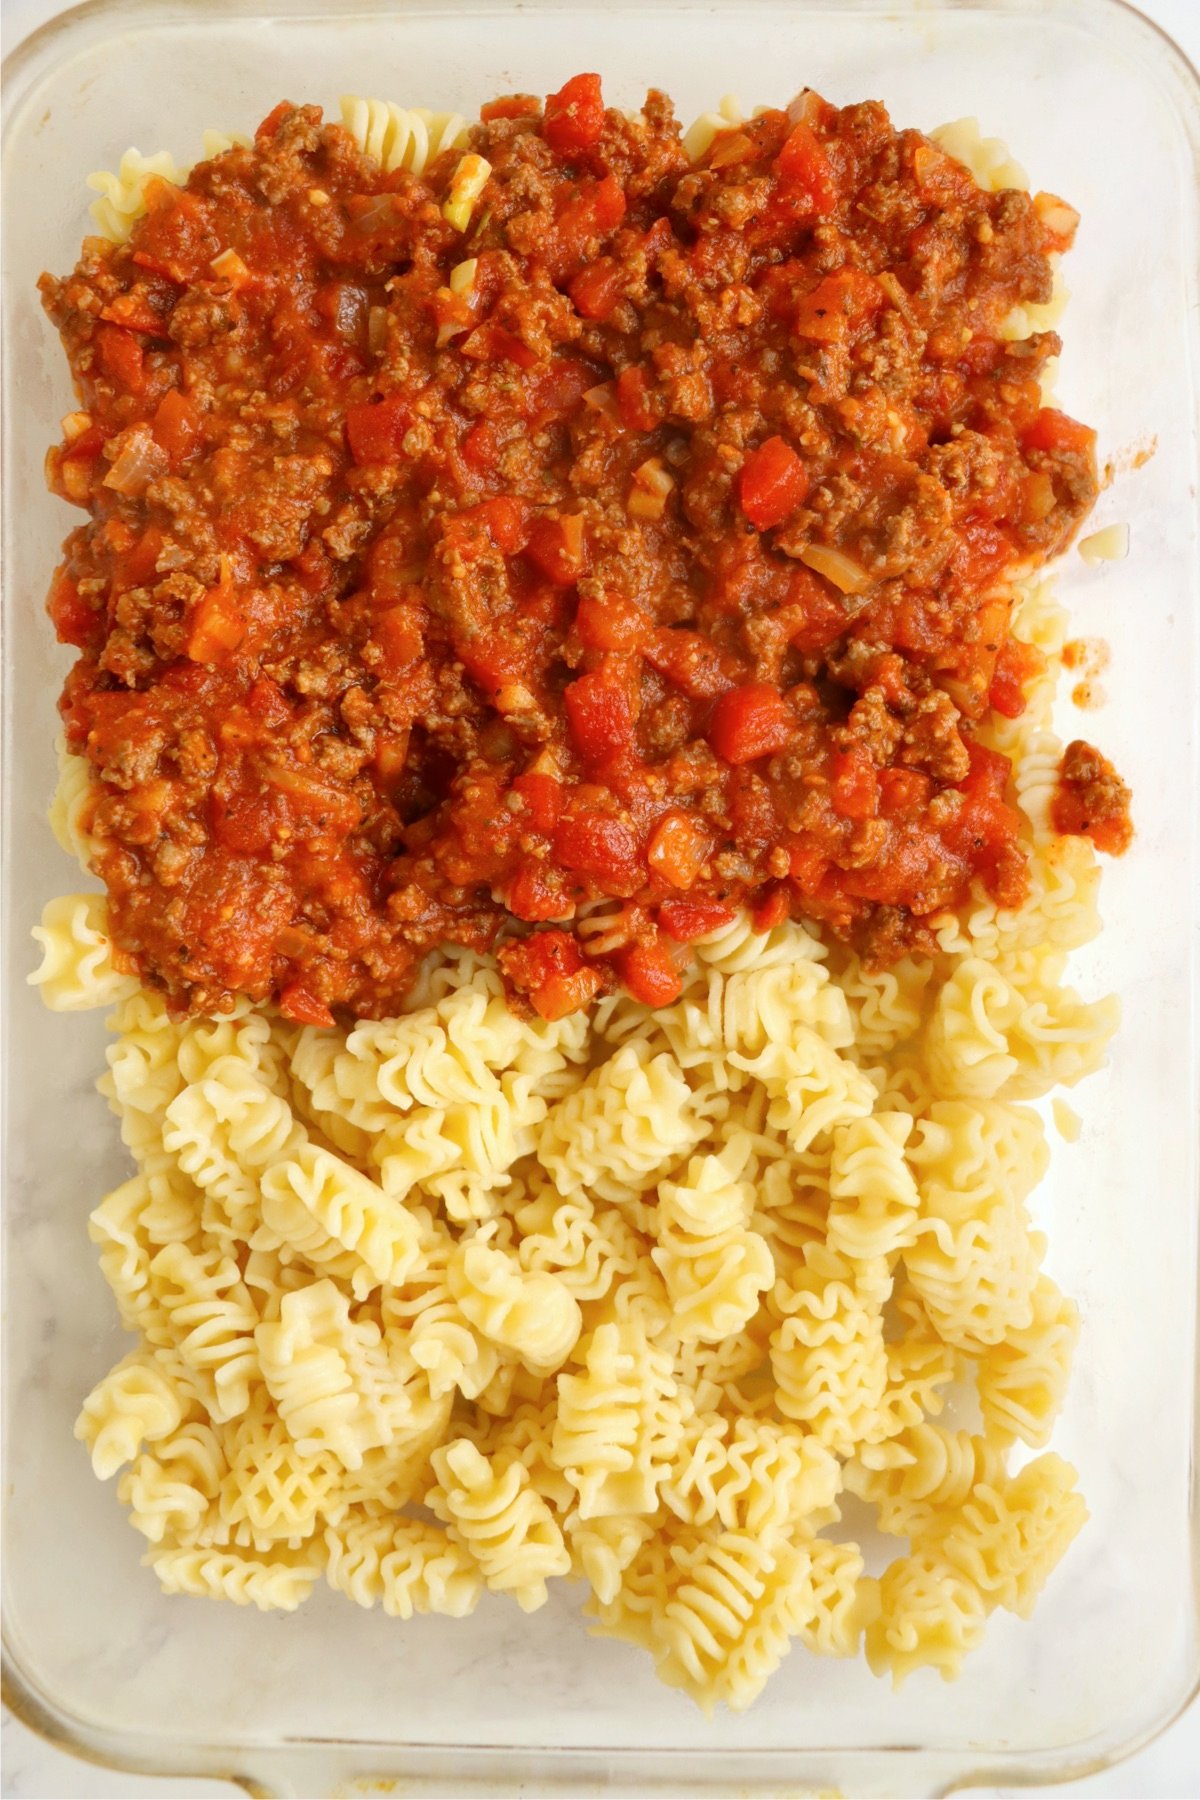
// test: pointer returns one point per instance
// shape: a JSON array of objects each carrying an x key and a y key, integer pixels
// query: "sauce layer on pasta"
[{"x": 571, "y": 524}]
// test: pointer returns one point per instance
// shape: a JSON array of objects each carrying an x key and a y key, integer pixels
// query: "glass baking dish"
[{"x": 1101, "y": 108}]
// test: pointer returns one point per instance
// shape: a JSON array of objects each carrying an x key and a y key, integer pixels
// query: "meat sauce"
[{"x": 645, "y": 546}]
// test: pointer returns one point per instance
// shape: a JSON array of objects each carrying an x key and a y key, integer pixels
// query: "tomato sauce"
[{"x": 646, "y": 545}]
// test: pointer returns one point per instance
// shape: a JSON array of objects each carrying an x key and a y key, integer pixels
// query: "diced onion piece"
[
  {"x": 377, "y": 327},
  {"x": 847, "y": 575},
  {"x": 74, "y": 477},
  {"x": 75, "y": 424},
  {"x": 651, "y": 487},
  {"x": 1110, "y": 544},
  {"x": 468, "y": 182},
  {"x": 601, "y": 399},
  {"x": 730, "y": 147},
  {"x": 449, "y": 331},
  {"x": 228, "y": 266},
  {"x": 804, "y": 108},
  {"x": 139, "y": 461},
  {"x": 462, "y": 275}
]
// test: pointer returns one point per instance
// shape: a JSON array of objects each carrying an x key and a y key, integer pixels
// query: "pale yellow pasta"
[
  {"x": 988, "y": 159},
  {"x": 336, "y": 1219},
  {"x": 922, "y": 1471},
  {"x": 71, "y": 805},
  {"x": 135, "y": 1403},
  {"x": 401, "y": 137},
  {"x": 1022, "y": 1380},
  {"x": 632, "y": 1118},
  {"x": 714, "y": 1267},
  {"x": 1010, "y": 1534},
  {"x": 211, "y": 1318},
  {"x": 494, "y": 1512},
  {"x": 530, "y": 1313},
  {"x": 828, "y": 1353},
  {"x": 123, "y": 195},
  {"x": 699, "y": 135},
  {"x": 278, "y": 1582},
  {"x": 77, "y": 970},
  {"x": 619, "y": 1423},
  {"x": 407, "y": 1566},
  {"x": 930, "y": 1617},
  {"x": 749, "y": 1475},
  {"x": 873, "y": 1198},
  {"x": 327, "y": 1373}
]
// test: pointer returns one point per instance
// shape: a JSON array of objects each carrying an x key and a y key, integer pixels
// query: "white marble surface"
[{"x": 1168, "y": 1769}]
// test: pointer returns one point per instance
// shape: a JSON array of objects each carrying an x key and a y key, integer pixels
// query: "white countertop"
[{"x": 1167, "y": 1769}]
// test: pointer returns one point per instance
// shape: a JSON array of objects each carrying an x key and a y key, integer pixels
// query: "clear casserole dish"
[{"x": 1103, "y": 110}]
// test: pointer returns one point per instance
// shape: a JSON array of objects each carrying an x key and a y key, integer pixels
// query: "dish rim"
[{"x": 443, "y": 1766}]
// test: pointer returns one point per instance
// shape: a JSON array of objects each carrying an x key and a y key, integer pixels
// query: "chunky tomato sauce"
[{"x": 647, "y": 542}]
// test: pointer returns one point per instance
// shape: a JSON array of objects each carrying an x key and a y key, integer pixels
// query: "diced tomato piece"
[
  {"x": 772, "y": 484},
  {"x": 266, "y": 701},
  {"x": 803, "y": 165},
  {"x": 838, "y": 303},
  {"x": 72, "y": 618},
  {"x": 481, "y": 446},
  {"x": 771, "y": 909},
  {"x": 138, "y": 565},
  {"x": 903, "y": 792},
  {"x": 543, "y": 797},
  {"x": 574, "y": 118},
  {"x": 121, "y": 357},
  {"x": 548, "y": 967},
  {"x": 511, "y": 106},
  {"x": 177, "y": 426},
  {"x": 750, "y": 722},
  {"x": 558, "y": 549},
  {"x": 535, "y": 894},
  {"x": 504, "y": 516},
  {"x": 491, "y": 342},
  {"x": 824, "y": 614},
  {"x": 375, "y": 429},
  {"x": 679, "y": 848},
  {"x": 650, "y": 973},
  {"x": 854, "y": 791},
  {"x": 634, "y": 403},
  {"x": 217, "y": 625},
  {"x": 243, "y": 823},
  {"x": 687, "y": 920},
  {"x": 1055, "y": 432},
  {"x": 985, "y": 824},
  {"x": 297, "y": 1004},
  {"x": 1016, "y": 664},
  {"x": 555, "y": 388},
  {"x": 600, "y": 846},
  {"x": 596, "y": 290},
  {"x": 610, "y": 623},
  {"x": 600, "y": 717},
  {"x": 590, "y": 212},
  {"x": 400, "y": 640}
]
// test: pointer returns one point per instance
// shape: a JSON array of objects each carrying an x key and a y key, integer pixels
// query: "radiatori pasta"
[
  {"x": 677, "y": 1326},
  {"x": 632, "y": 1300}
]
